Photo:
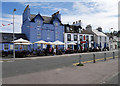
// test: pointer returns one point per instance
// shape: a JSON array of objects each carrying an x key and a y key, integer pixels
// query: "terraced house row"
[{"x": 36, "y": 27}]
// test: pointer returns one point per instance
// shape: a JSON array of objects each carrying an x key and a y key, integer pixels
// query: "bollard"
[
  {"x": 80, "y": 59},
  {"x": 93, "y": 58},
  {"x": 104, "y": 56},
  {"x": 113, "y": 55}
]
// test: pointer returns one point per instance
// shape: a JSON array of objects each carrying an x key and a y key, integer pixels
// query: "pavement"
[
  {"x": 39, "y": 57},
  {"x": 90, "y": 73}
]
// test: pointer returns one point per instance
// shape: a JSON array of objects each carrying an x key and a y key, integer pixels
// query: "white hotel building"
[{"x": 77, "y": 35}]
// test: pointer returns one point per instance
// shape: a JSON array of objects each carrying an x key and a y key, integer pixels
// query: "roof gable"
[
  {"x": 34, "y": 16},
  {"x": 46, "y": 19}
]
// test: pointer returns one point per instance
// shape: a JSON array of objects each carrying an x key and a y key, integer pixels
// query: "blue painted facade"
[
  {"x": 42, "y": 27},
  {"x": 6, "y": 41}
]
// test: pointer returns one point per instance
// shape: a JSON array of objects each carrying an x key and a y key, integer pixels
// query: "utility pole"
[{"x": 13, "y": 35}]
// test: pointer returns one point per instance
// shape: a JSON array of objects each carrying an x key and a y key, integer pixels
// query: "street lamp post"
[
  {"x": 110, "y": 38},
  {"x": 13, "y": 35}
]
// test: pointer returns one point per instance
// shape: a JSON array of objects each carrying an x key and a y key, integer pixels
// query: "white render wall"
[
  {"x": 102, "y": 40},
  {"x": 72, "y": 39}
]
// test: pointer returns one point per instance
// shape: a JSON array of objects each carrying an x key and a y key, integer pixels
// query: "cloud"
[
  {"x": 100, "y": 13},
  {"x": 95, "y": 12},
  {"x": 7, "y": 19},
  {"x": 79, "y": 7}
]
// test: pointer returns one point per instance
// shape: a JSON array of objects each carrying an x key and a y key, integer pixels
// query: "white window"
[
  {"x": 67, "y": 29},
  {"x": 105, "y": 39},
  {"x": 75, "y": 37},
  {"x": 81, "y": 38},
  {"x": 15, "y": 37},
  {"x": 100, "y": 38},
  {"x": 38, "y": 22},
  {"x": 56, "y": 24},
  {"x": 5, "y": 38},
  {"x": 38, "y": 28},
  {"x": 16, "y": 47},
  {"x": 25, "y": 47},
  {"x": 44, "y": 46},
  {"x": 6, "y": 46},
  {"x": 56, "y": 35},
  {"x": 87, "y": 38},
  {"x": 92, "y": 38},
  {"x": 39, "y": 46},
  {"x": 48, "y": 34},
  {"x": 11, "y": 47},
  {"x": 71, "y": 29},
  {"x": 79, "y": 30},
  {"x": 68, "y": 37},
  {"x": 38, "y": 35}
]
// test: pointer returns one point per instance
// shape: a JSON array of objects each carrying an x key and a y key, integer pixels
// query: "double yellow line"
[{"x": 95, "y": 60}]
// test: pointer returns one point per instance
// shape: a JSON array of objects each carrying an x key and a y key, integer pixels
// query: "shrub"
[{"x": 80, "y": 64}]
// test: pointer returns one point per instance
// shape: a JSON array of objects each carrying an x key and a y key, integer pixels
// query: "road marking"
[
  {"x": 6, "y": 61},
  {"x": 1, "y": 61},
  {"x": 92, "y": 60}
]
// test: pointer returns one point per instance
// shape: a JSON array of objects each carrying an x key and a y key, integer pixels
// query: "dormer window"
[
  {"x": 38, "y": 22},
  {"x": 79, "y": 30},
  {"x": 71, "y": 29},
  {"x": 5, "y": 37},
  {"x": 68, "y": 30},
  {"x": 56, "y": 24},
  {"x": 15, "y": 37}
]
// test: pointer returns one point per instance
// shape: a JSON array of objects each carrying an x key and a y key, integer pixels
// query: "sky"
[{"x": 98, "y": 13}]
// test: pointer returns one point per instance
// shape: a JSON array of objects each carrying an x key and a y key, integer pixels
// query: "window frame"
[
  {"x": 87, "y": 38},
  {"x": 81, "y": 37},
  {"x": 92, "y": 38},
  {"x": 68, "y": 35},
  {"x": 16, "y": 47},
  {"x": 38, "y": 22},
  {"x": 5, "y": 46},
  {"x": 76, "y": 37}
]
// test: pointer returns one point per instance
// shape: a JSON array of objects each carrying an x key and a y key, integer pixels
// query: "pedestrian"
[{"x": 52, "y": 50}]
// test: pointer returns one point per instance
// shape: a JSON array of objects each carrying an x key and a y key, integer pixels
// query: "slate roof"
[
  {"x": 86, "y": 32},
  {"x": 8, "y": 37},
  {"x": 48, "y": 20},
  {"x": 98, "y": 33}
]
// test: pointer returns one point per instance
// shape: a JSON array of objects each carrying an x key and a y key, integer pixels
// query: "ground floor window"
[
  {"x": 25, "y": 47},
  {"x": 92, "y": 44},
  {"x": 16, "y": 47},
  {"x": 11, "y": 47},
  {"x": 84, "y": 46},
  {"x": 70, "y": 46},
  {"x": 39, "y": 46},
  {"x": 75, "y": 47},
  {"x": 6, "y": 46}
]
